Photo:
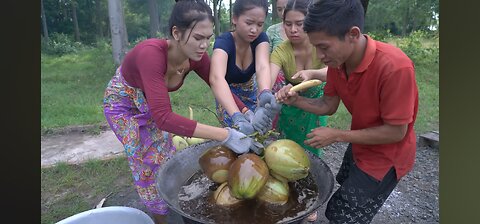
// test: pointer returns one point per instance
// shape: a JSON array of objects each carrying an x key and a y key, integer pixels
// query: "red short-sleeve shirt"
[{"x": 382, "y": 89}]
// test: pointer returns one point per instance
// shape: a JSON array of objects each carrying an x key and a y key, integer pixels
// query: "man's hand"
[
  {"x": 284, "y": 95},
  {"x": 304, "y": 75},
  {"x": 322, "y": 136}
]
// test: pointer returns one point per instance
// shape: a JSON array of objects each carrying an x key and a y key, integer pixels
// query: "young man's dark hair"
[{"x": 334, "y": 17}]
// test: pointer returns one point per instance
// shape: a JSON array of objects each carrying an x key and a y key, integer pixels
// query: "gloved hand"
[
  {"x": 273, "y": 109},
  {"x": 242, "y": 123},
  {"x": 237, "y": 141},
  {"x": 266, "y": 96},
  {"x": 249, "y": 116},
  {"x": 262, "y": 121}
]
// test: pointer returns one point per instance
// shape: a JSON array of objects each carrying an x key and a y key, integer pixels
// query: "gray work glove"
[
  {"x": 249, "y": 115},
  {"x": 273, "y": 109},
  {"x": 242, "y": 124},
  {"x": 266, "y": 96},
  {"x": 267, "y": 100},
  {"x": 261, "y": 121},
  {"x": 238, "y": 142}
]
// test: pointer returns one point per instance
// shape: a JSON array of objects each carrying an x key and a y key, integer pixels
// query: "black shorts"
[{"x": 360, "y": 196}]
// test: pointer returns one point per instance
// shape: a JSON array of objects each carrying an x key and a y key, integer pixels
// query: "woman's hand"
[
  {"x": 242, "y": 123},
  {"x": 237, "y": 141},
  {"x": 304, "y": 75}
]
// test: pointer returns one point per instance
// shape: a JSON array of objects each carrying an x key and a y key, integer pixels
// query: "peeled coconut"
[
  {"x": 287, "y": 160},
  {"x": 215, "y": 163},
  {"x": 223, "y": 197},
  {"x": 274, "y": 192},
  {"x": 194, "y": 140},
  {"x": 179, "y": 142},
  {"x": 247, "y": 175}
]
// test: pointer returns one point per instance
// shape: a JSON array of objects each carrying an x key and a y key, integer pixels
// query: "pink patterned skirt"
[{"x": 145, "y": 145}]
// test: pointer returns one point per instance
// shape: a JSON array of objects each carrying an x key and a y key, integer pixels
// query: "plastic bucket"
[{"x": 109, "y": 215}]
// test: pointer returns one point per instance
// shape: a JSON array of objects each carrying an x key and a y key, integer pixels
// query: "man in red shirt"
[{"x": 376, "y": 83}]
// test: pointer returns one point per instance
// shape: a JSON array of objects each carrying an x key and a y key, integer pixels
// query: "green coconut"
[
  {"x": 215, "y": 163},
  {"x": 288, "y": 160},
  {"x": 247, "y": 175}
]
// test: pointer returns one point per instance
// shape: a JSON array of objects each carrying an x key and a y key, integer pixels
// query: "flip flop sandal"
[{"x": 312, "y": 217}]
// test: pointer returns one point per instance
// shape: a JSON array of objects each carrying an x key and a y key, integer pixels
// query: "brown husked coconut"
[
  {"x": 215, "y": 163},
  {"x": 247, "y": 175}
]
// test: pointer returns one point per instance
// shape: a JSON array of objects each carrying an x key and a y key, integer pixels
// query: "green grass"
[
  {"x": 195, "y": 94},
  {"x": 72, "y": 88},
  {"x": 428, "y": 91},
  {"x": 69, "y": 189}
]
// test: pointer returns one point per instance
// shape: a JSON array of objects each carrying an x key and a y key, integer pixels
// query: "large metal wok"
[{"x": 175, "y": 172}]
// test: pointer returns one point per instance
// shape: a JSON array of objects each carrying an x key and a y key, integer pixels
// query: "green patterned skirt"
[{"x": 295, "y": 123}]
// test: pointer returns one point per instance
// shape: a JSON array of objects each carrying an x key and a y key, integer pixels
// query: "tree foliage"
[
  {"x": 401, "y": 17},
  {"x": 390, "y": 17}
]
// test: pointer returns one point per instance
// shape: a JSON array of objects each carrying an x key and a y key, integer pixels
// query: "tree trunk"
[
  {"x": 118, "y": 30},
  {"x": 44, "y": 23},
  {"x": 365, "y": 6},
  {"x": 230, "y": 13},
  {"x": 405, "y": 21},
  {"x": 98, "y": 19},
  {"x": 274, "y": 11},
  {"x": 154, "y": 22},
  {"x": 216, "y": 10},
  {"x": 75, "y": 21}
]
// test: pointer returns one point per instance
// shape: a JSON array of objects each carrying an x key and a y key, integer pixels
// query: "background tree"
[
  {"x": 216, "y": 15},
  {"x": 88, "y": 21},
  {"x": 118, "y": 30},
  {"x": 75, "y": 20},
  {"x": 154, "y": 18},
  {"x": 230, "y": 14},
  {"x": 401, "y": 17},
  {"x": 275, "y": 18},
  {"x": 44, "y": 23},
  {"x": 365, "y": 5},
  {"x": 98, "y": 19}
]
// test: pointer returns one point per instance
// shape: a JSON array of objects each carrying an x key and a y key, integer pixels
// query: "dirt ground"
[{"x": 414, "y": 200}]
